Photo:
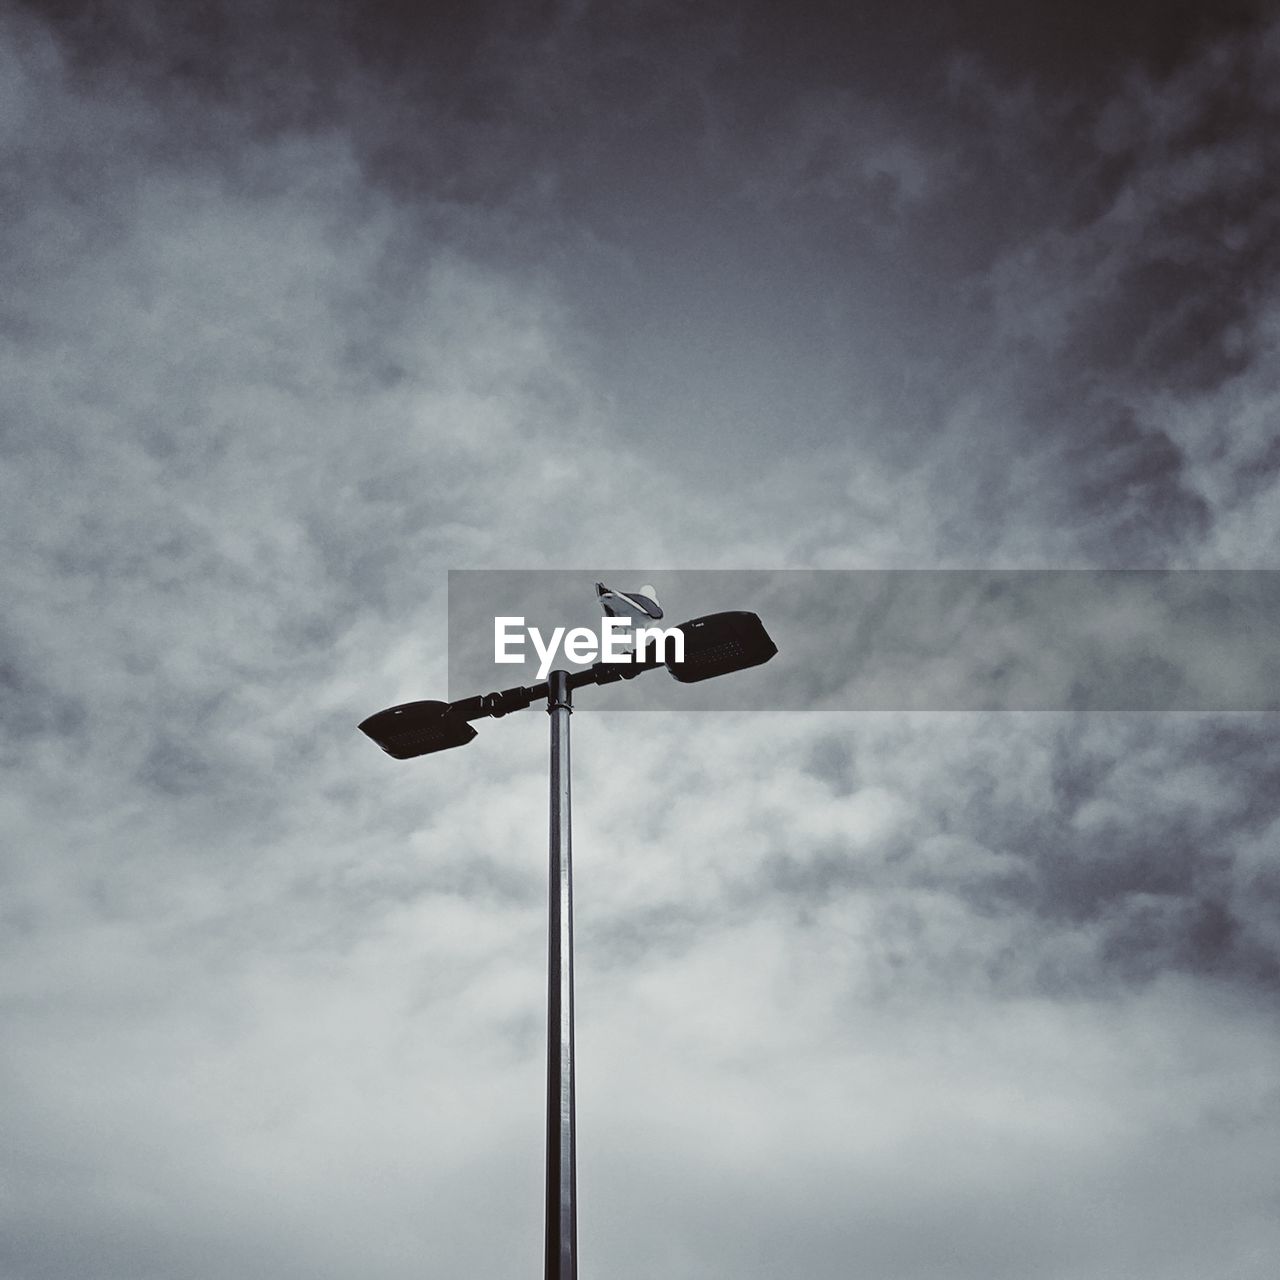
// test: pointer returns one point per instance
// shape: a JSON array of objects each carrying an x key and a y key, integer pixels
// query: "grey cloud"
[
  {"x": 302, "y": 307},
  {"x": 1026, "y": 854}
]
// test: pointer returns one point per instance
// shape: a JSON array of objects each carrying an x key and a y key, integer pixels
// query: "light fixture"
[
  {"x": 417, "y": 729},
  {"x": 720, "y": 643}
]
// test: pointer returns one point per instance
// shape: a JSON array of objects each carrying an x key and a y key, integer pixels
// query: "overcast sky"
[{"x": 302, "y": 306}]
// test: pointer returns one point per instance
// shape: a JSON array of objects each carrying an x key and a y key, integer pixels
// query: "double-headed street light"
[{"x": 715, "y": 645}]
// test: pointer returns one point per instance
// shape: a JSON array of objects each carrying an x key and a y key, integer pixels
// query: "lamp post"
[
  {"x": 714, "y": 645},
  {"x": 562, "y": 1157}
]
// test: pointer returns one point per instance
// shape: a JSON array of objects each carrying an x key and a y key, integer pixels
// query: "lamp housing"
[
  {"x": 720, "y": 643},
  {"x": 417, "y": 729}
]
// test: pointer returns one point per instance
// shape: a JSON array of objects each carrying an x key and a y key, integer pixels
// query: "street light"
[
  {"x": 715, "y": 645},
  {"x": 417, "y": 729},
  {"x": 721, "y": 643}
]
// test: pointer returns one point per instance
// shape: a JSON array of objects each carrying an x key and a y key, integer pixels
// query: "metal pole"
[{"x": 562, "y": 1180}]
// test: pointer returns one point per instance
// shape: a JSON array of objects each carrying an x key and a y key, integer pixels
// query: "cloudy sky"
[{"x": 301, "y": 307}]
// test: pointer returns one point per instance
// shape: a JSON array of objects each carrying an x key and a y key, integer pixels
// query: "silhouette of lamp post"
[{"x": 714, "y": 645}]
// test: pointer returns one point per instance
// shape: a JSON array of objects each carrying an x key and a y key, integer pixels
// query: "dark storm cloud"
[
  {"x": 992, "y": 256},
  {"x": 1061, "y": 259},
  {"x": 964, "y": 243}
]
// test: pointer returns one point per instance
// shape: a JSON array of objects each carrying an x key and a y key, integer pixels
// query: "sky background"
[{"x": 302, "y": 306}]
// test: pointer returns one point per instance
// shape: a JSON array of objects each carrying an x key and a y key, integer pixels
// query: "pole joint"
[{"x": 559, "y": 693}]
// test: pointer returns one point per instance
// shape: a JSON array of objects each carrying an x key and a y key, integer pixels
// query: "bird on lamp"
[
  {"x": 634, "y": 605},
  {"x": 632, "y": 608}
]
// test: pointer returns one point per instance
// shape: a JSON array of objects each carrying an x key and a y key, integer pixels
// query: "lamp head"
[
  {"x": 417, "y": 729},
  {"x": 721, "y": 643}
]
